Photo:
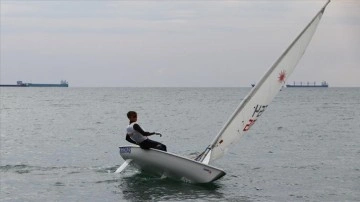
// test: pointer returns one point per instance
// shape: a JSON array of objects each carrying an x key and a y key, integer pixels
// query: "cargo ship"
[
  {"x": 323, "y": 84},
  {"x": 63, "y": 83}
]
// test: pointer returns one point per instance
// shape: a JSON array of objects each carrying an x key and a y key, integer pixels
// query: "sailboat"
[{"x": 200, "y": 170}]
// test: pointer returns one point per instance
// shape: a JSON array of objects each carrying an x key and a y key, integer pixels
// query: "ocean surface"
[{"x": 61, "y": 144}]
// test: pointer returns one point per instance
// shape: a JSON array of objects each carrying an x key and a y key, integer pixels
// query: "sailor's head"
[{"x": 132, "y": 115}]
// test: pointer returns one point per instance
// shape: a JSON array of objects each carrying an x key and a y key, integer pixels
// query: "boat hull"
[{"x": 162, "y": 163}]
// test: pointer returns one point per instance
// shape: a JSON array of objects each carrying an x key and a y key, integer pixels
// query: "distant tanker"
[
  {"x": 63, "y": 83},
  {"x": 323, "y": 84}
]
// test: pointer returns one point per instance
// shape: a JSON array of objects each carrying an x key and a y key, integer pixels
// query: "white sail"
[{"x": 256, "y": 102}]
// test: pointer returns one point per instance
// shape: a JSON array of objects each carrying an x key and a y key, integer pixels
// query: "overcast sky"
[{"x": 174, "y": 43}]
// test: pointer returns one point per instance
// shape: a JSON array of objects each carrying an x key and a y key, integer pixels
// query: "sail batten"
[{"x": 260, "y": 96}]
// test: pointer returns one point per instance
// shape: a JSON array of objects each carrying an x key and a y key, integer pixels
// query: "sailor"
[{"x": 136, "y": 135}]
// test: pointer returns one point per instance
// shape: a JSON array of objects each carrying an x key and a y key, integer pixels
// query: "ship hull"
[
  {"x": 307, "y": 86},
  {"x": 47, "y": 85},
  {"x": 36, "y": 85}
]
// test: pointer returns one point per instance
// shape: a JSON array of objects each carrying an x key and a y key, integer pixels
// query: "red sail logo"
[{"x": 282, "y": 76}]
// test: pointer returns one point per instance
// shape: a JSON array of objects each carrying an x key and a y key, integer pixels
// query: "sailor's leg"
[
  {"x": 146, "y": 144},
  {"x": 161, "y": 147}
]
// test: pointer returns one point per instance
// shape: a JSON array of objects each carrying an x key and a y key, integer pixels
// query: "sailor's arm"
[
  {"x": 129, "y": 139},
  {"x": 140, "y": 130}
]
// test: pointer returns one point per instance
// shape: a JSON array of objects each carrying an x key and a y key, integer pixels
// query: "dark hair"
[{"x": 131, "y": 114}]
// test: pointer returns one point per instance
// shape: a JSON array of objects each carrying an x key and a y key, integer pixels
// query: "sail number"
[{"x": 258, "y": 110}]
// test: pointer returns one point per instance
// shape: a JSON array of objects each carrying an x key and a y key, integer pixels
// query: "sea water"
[{"x": 61, "y": 144}]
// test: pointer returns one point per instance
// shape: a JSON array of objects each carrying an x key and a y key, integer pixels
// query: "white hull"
[{"x": 171, "y": 165}]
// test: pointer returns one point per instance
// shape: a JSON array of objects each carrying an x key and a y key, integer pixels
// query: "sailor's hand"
[{"x": 158, "y": 134}]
